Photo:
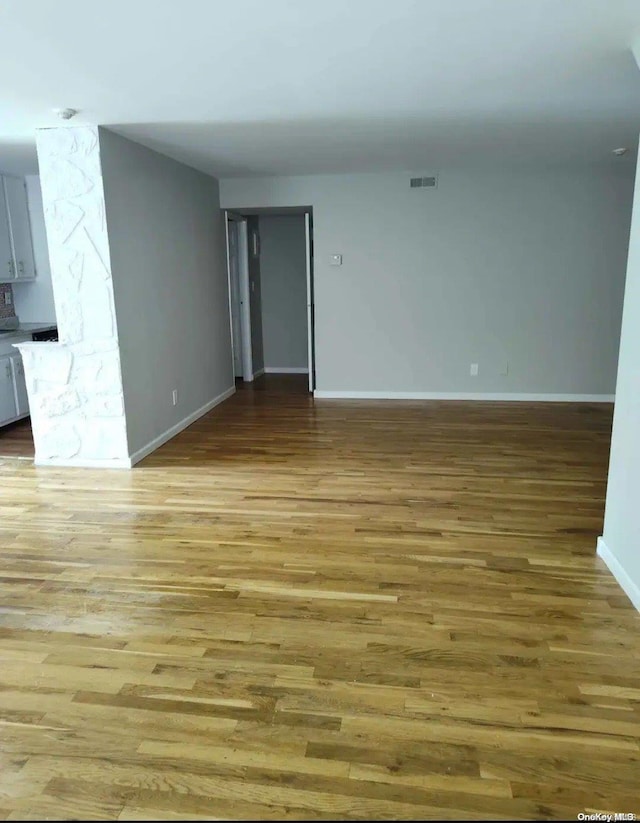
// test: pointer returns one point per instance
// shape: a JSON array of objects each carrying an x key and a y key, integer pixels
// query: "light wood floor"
[
  {"x": 327, "y": 610},
  {"x": 16, "y": 440}
]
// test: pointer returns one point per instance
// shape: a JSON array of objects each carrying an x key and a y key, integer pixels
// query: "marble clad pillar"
[{"x": 75, "y": 386}]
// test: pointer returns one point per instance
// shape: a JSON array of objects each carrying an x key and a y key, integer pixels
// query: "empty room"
[{"x": 320, "y": 410}]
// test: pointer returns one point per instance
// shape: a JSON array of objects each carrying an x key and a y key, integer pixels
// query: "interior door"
[
  {"x": 234, "y": 290},
  {"x": 245, "y": 300},
  {"x": 310, "y": 318}
]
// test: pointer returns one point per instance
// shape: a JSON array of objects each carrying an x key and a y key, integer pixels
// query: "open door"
[
  {"x": 233, "y": 266},
  {"x": 310, "y": 333},
  {"x": 239, "y": 295},
  {"x": 245, "y": 301}
]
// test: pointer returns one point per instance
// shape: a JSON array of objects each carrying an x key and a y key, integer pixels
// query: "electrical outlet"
[
  {"x": 473, "y": 370},
  {"x": 505, "y": 370},
  {"x": 174, "y": 397},
  {"x": 8, "y": 298}
]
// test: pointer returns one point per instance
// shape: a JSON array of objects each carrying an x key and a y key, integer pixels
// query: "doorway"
[{"x": 270, "y": 264}]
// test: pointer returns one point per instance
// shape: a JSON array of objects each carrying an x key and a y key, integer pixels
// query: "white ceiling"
[{"x": 239, "y": 87}]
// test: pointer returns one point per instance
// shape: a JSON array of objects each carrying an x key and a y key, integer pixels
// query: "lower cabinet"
[
  {"x": 13, "y": 389},
  {"x": 8, "y": 408},
  {"x": 19, "y": 385}
]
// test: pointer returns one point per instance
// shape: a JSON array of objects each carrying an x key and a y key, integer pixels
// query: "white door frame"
[
  {"x": 310, "y": 307},
  {"x": 244, "y": 293}
]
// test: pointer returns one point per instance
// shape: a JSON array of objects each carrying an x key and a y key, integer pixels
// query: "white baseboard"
[
  {"x": 286, "y": 370},
  {"x": 258, "y": 373},
  {"x": 435, "y": 395},
  {"x": 84, "y": 462},
  {"x": 137, "y": 456},
  {"x": 631, "y": 589}
]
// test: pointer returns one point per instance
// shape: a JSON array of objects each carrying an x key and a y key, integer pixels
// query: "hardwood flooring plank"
[{"x": 302, "y": 609}]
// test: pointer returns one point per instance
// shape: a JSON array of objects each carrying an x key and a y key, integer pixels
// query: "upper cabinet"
[
  {"x": 7, "y": 266},
  {"x": 16, "y": 249}
]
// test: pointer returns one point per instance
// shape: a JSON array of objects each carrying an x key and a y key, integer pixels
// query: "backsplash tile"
[{"x": 6, "y": 311}]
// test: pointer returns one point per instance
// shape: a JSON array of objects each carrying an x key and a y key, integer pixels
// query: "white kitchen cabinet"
[
  {"x": 16, "y": 261},
  {"x": 19, "y": 385},
  {"x": 7, "y": 264},
  {"x": 20, "y": 222},
  {"x": 8, "y": 410}
]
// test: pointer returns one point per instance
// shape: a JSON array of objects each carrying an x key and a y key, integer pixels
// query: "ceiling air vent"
[{"x": 424, "y": 183}]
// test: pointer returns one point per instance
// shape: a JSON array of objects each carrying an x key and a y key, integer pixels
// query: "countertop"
[
  {"x": 21, "y": 335},
  {"x": 31, "y": 327},
  {"x": 25, "y": 328}
]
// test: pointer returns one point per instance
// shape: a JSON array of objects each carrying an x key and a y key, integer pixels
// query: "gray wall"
[
  {"x": 622, "y": 516},
  {"x": 168, "y": 258},
  {"x": 284, "y": 291},
  {"x": 34, "y": 300},
  {"x": 518, "y": 270},
  {"x": 255, "y": 298}
]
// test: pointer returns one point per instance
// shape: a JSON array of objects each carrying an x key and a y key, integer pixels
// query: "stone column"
[{"x": 75, "y": 386}]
